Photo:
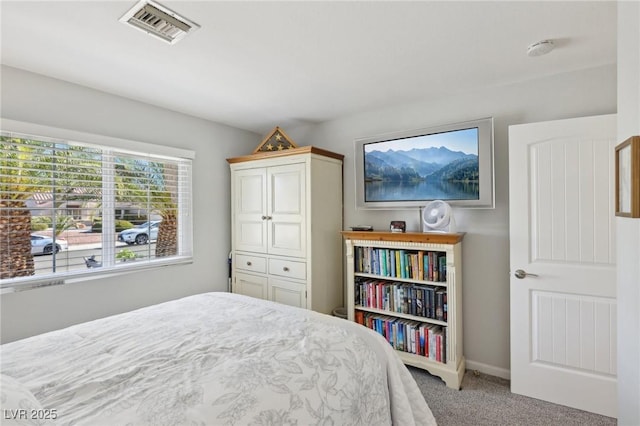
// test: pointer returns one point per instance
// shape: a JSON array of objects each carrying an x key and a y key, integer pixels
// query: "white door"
[
  {"x": 286, "y": 210},
  {"x": 563, "y": 318},
  {"x": 249, "y": 209}
]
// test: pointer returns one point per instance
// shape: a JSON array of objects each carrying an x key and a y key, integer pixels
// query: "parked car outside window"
[
  {"x": 140, "y": 234},
  {"x": 44, "y": 245}
]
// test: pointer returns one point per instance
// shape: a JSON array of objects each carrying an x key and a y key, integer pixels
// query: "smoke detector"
[
  {"x": 540, "y": 48},
  {"x": 158, "y": 21}
]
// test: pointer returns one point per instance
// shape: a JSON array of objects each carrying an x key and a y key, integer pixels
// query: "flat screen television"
[{"x": 453, "y": 163}]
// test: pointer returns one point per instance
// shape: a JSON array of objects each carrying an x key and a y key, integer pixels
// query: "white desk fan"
[{"x": 437, "y": 216}]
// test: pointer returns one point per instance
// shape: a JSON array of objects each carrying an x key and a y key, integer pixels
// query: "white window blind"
[{"x": 74, "y": 209}]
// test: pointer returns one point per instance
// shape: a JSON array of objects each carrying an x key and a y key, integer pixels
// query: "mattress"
[{"x": 210, "y": 359}]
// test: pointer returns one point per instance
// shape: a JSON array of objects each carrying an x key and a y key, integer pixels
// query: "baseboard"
[{"x": 489, "y": 369}]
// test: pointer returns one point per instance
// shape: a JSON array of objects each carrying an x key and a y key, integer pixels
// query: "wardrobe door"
[
  {"x": 250, "y": 210},
  {"x": 286, "y": 207}
]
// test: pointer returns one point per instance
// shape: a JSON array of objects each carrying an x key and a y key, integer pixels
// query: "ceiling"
[{"x": 254, "y": 65}]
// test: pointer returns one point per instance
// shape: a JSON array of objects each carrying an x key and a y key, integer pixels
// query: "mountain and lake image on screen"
[{"x": 440, "y": 166}]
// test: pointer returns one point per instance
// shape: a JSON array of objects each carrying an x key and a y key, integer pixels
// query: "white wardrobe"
[{"x": 286, "y": 210}]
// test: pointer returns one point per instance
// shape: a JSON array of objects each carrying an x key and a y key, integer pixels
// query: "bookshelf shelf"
[
  {"x": 406, "y": 280},
  {"x": 400, "y": 315},
  {"x": 408, "y": 287}
]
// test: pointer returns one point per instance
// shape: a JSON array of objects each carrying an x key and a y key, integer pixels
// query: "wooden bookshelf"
[{"x": 408, "y": 287}]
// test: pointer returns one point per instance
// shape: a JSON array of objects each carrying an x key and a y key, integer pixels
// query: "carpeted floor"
[{"x": 487, "y": 400}]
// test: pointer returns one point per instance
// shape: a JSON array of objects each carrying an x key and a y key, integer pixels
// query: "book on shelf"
[
  {"x": 392, "y": 263},
  {"x": 420, "y": 300},
  {"x": 403, "y": 264},
  {"x": 439, "y": 295},
  {"x": 427, "y": 340},
  {"x": 418, "y": 265}
]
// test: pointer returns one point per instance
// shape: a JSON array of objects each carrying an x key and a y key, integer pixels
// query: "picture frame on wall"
[{"x": 627, "y": 169}]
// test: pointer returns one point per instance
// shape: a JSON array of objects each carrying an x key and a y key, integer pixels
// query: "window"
[{"x": 71, "y": 208}]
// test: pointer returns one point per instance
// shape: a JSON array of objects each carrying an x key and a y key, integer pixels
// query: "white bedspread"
[{"x": 217, "y": 359}]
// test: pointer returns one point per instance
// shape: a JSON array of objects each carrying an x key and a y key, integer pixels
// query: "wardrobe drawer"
[
  {"x": 251, "y": 263},
  {"x": 288, "y": 268}
]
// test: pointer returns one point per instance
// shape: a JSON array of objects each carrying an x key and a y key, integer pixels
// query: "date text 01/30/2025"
[{"x": 29, "y": 414}]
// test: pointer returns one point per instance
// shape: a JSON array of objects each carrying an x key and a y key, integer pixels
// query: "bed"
[{"x": 210, "y": 359}]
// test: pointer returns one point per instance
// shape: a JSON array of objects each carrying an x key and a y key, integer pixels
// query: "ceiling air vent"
[{"x": 158, "y": 21}]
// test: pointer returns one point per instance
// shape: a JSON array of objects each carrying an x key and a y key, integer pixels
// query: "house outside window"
[{"x": 66, "y": 205}]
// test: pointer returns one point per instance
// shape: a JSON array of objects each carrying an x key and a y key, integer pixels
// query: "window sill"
[{"x": 30, "y": 283}]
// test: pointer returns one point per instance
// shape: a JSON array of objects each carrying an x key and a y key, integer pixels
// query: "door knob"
[{"x": 520, "y": 274}]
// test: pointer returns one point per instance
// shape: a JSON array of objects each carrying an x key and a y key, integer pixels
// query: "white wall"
[
  {"x": 42, "y": 100},
  {"x": 486, "y": 244},
  {"x": 628, "y": 230}
]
